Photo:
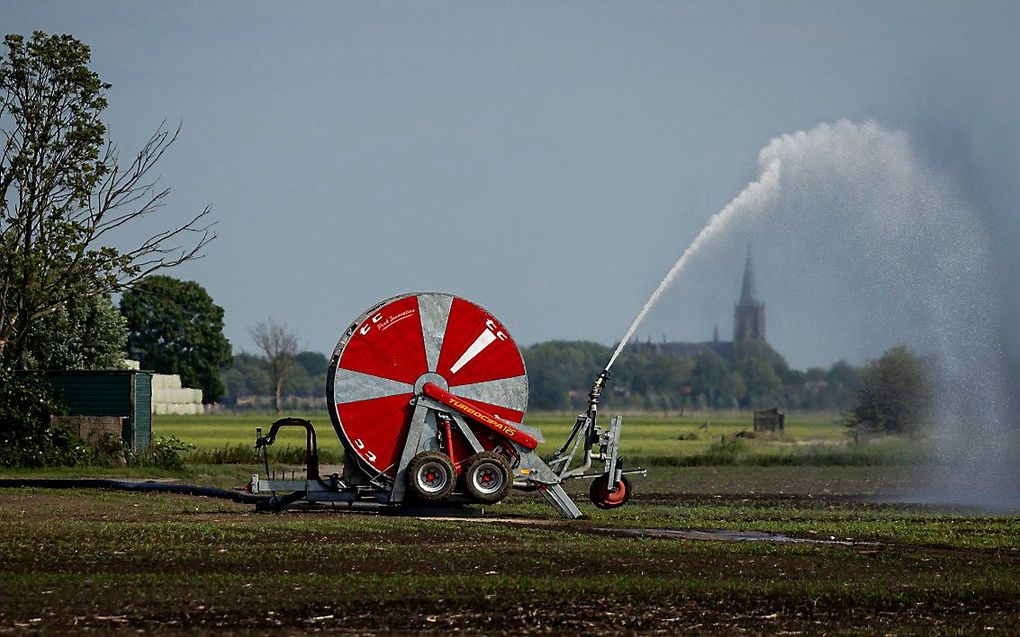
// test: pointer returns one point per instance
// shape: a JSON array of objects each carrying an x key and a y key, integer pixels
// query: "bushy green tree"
[
  {"x": 814, "y": 375},
  {"x": 647, "y": 371},
  {"x": 843, "y": 374},
  {"x": 764, "y": 372},
  {"x": 26, "y": 437},
  {"x": 839, "y": 391},
  {"x": 712, "y": 378},
  {"x": 561, "y": 372},
  {"x": 63, "y": 192},
  {"x": 895, "y": 394},
  {"x": 86, "y": 333},
  {"x": 650, "y": 376},
  {"x": 737, "y": 388},
  {"x": 247, "y": 375},
  {"x": 175, "y": 328},
  {"x": 764, "y": 387},
  {"x": 314, "y": 363},
  {"x": 311, "y": 382}
]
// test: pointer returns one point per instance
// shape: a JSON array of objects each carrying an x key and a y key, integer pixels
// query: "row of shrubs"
[
  {"x": 245, "y": 454},
  {"x": 56, "y": 447}
]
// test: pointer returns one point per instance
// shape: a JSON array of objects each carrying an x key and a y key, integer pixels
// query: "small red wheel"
[{"x": 603, "y": 498}]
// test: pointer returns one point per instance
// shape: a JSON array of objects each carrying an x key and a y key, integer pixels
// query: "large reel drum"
[{"x": 385, "y": 357}]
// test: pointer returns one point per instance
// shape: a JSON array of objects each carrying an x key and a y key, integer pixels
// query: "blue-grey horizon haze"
[{"x": 548, "y": 161}]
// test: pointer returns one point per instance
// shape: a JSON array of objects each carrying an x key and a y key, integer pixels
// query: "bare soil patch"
[{"x": 107, "y": 562}]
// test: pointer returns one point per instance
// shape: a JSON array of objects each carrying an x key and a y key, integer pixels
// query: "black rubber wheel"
[
  {"x": 487, "y": 477},
  {"x": 603, "y": 498},
  {"x": 431, "y": 476}
]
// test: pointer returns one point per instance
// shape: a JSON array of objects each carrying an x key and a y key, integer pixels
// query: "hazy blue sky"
[{"x": 548, "y": 161}]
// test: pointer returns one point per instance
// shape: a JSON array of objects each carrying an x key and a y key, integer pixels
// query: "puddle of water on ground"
[{"x": 725, "y": 535}]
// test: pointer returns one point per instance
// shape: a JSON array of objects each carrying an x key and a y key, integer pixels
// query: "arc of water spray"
[
  {"x": 754, "y": 196},
  {"x": 925, "y": 252}
]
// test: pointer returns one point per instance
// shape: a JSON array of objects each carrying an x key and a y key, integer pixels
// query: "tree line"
[
  {"x": 705, "y": 375},
  {"x": 888, "y": 395}
]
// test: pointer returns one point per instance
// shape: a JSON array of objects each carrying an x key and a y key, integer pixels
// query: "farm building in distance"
[
  {"x": 99, "y": 402},
  {"x": 120, "y": 401}
]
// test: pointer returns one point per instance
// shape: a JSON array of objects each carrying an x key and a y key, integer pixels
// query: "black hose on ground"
[{"x": 142, "y": 487}]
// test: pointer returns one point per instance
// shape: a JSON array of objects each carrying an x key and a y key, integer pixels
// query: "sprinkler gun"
[
  {"x": 591, "y": 415},
  {"x": 597, "y": 387}
]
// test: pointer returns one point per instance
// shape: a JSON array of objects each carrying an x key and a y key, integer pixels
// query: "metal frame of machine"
[{"x": 456, "y": 450}]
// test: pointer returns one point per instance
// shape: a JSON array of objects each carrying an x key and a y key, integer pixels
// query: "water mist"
[{"x": 875, "y": 248}]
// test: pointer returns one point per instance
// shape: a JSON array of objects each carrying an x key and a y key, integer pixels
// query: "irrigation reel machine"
[{"x": 427, "y": 392}]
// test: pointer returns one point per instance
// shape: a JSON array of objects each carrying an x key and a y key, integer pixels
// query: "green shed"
[{"x": 125, "y": 394}]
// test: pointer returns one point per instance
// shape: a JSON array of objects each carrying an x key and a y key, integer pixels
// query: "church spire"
[
  {"x": 748, "y": 291},
  {"x": 749, "y": 314}
]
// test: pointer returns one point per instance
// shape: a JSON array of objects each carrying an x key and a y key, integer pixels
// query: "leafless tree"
[{"x": 280, "y": 346}]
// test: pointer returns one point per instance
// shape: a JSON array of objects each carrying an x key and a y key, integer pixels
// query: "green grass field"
[
  {"x": 812, "y": 438},
  {"x": 643, "y": 434}
]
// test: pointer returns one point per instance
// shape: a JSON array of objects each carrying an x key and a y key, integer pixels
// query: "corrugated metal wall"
[
  {"x": 143, "y": 410},
  {"x": 126, "y": 394},
  {"x": 93, "y": 393}
]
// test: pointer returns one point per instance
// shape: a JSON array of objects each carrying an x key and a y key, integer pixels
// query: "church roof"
[
  {"x": 748, "y": 290},
  {"x": 675, "y": 348}
]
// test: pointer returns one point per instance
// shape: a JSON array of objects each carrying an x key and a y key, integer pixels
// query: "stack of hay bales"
[{"x": 168, "y": 397}]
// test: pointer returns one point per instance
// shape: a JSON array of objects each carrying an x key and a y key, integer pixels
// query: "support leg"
[
  {"x": 558, "y": 498},
  {"x": 411, "y": 446}
]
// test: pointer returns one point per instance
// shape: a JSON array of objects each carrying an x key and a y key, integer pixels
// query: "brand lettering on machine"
[
  {"x": 488, "y": 336},
  {"x": 489, "y": 323},
  {"x": 377, "y": 321},
  {"x": 468, "y": 409}
]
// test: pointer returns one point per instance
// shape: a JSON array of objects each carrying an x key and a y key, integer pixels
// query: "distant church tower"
[{"x": 749, "y": 314}]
